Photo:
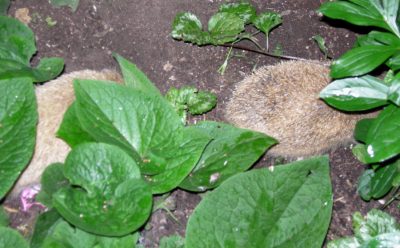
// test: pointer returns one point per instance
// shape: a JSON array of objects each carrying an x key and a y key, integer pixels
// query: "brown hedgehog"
[
  {"x": 283, "y": 102},
  {"x": 53, "y": 99}
]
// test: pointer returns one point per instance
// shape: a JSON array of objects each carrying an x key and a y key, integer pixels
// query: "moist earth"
[{"x": 140, "y": 31}]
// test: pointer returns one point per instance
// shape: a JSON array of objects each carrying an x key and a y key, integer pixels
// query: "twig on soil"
[{"x": 271, "y": 54}]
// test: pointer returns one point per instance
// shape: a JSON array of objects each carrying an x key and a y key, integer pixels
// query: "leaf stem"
[
  {"x": 263, "y": 52},
  {"x": 395, "y": 196}
]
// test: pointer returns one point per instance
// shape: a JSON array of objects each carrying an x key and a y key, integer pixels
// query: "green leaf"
[
  {"x": 232, "y": 150},
  {"x": 47, "y": 69},
  {"x": 51, "y": 231},
  {"x": 356, "y": 94},
  {"x": 377, "y": 183},
  {"x": 267, "y": 21},
  {"x": 108, "y": 197},
  {"x": 135, "y": 78},
  {"x": 244, "y": 10},
  {"x": 71, "y": 130},
  {"x": 382, "y": 142},
  {"x": 4, "y": 219},
  {"x": 361, "y": 130},
  {"x": 187, "y": 27},
  {"x": 73, "y": 4},
  {"x": 18, "y": 118},
  {"x": 144, "y": 126},
  {"x": 361, "y": 60},
  {"x": 394, "y": 62},
  {"x": 289, "y": 206},
  {"x": 377, "y": 229},
  {"x": 190, "y": 99},
  {"x": 225, "y": 27},
  {"x": 4, "y": 4},
  {"x": 376, "y": 13},
  {"x": 321, "y": 44},
  {"x": 51, "y": 181},
  {"x": 174, "y": 241},
  {"x": 394, "y": 91},
  {"x": 11, "y": 238},
  {"x": 18, "y": 39}
]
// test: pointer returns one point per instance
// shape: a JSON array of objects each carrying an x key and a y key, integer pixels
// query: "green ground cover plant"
[{"x": 353, "y": 90}]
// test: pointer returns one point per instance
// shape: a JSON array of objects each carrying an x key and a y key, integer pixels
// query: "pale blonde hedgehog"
[
  {"x": 283, "y": 102},
  {"x": 53, "y": 99}
]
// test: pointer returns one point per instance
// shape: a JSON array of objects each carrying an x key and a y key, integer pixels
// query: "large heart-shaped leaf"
[
  {"x": 52, "y": 231},
  {"x": 18, "y": 118},
  {"x": 356, "y": 94},
  {"x": 145, "y": 126},
  {"x": 108, "y": 197},
  {"x": 231, "y": 150},
  {"x": 289, "y": 206},
  {"x": 225, "y": 27}
]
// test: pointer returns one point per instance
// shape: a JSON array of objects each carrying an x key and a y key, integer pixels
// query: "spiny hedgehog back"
[
  {"x": 53, "y": 99},
  {"x": 283, "y": 102}
]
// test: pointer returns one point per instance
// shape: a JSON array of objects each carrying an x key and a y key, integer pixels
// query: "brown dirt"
[{"x": 139, "y": 30}]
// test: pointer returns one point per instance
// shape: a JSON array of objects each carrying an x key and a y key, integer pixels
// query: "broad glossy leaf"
[
  {"x": 52, "y": 231},
  {"x": 71, "y": 130},
  {"x": 225, "y": 27},
  {"x": 143, "y": 125},
  {"x": 47, "y": 69},
  {"x": 11, "y": 238},
  {"x": 108, "y": 197},
  {"x": 377, "y": 13},
  {"x": 361, "y": 60},
  {"x": 135, "y": 78},
  {"x": 18, "y": 118},
  {"x": 356, "y": 94},
  {"x": 18, "y": 38},
  {"x": 174, "y": 241},
  {"x": 394, "y": 62},
  {"x": 361, "y": 130},
  {"x": 4, "y": 219},
  {"x": 244, "y": 10},
  {"x": 382, "y": 142},
  {"x": 232, "y": 150},
  {"x": 51, "y": 181},
  {"x": 73, "y": 4},
  {"x": 289, "y": 206},
  {"x": 394, "y": 91},
  {"x": 187, "y": 27},
  {"x": 267, "y": 21}
]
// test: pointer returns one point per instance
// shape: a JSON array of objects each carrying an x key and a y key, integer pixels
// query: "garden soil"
[{"x": 140, "y": 31}]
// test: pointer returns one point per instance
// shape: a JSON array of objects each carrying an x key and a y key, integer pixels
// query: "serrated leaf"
[
  {"x": 51, "y": 181},
  {"x": 108, "y": 197},
  {"x": 135, "y": 78},
  {"x": 225, "y": 27},
  {"x": 232, "y": 150},
  {"x": 244, "y": 10},
  {"x": 187, "y": 27},
  {"x": 377, "y": 13},
  {"x": 11, "y": 238},
  {"x": 361, "y": 130},
  {"x": 73, "y": 4},
  {"x": 260, "y": 208},
  {"x": 381, "y": 144},
  {"x": 356, "y": 94},
  {"x": 361, "y": 60},
  {"x": 18, "y": 119},
  {"x": 267, "y": 21},
  {"x": 143, "y": 125}
]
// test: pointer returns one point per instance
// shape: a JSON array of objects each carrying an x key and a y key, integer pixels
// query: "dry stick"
[{"x": 271, "y": 54}]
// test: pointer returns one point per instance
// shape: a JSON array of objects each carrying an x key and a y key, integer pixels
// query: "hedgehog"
[
  {"x": 283, "y": 101},
  {"x": 53, "y": 99}
]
